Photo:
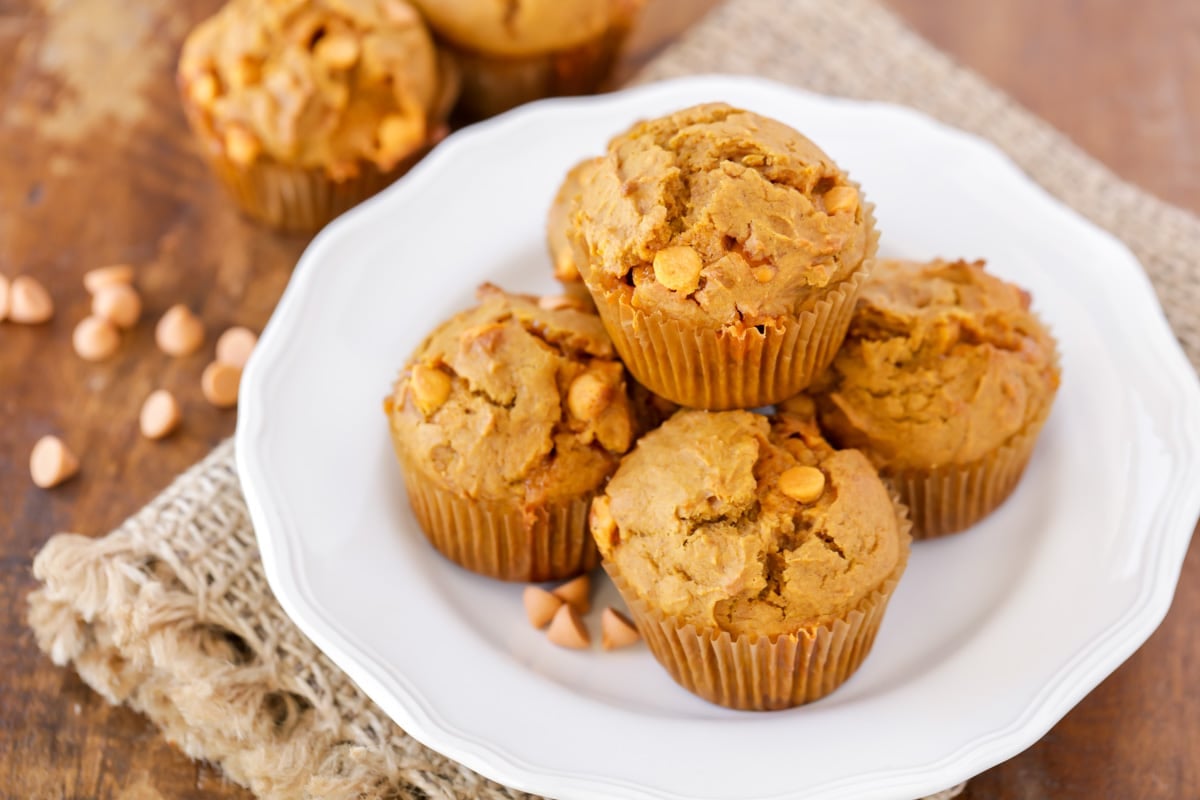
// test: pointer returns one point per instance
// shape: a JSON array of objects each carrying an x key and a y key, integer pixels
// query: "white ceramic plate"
[{"x": 992, "y": 636}]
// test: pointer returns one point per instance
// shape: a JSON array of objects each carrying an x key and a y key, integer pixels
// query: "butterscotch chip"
[
  {"x": 29, "y": 303},
  {"x": 219, "y": 383},
  {"x": 241, "y": 145},
  {"x": 160, "y": 415},
  {"x": 96, "y": 279},
  {"x": 338, "y": 51},
  {"x": 841, "y": 200},
  {"x": 399, "y": 134},
  {"x": 430, "y": 388},
  {"x": 95, "y": 339},
  {"x": 567, "y": 629},
  {"x": 616, "y": 630},
  {"x": 235, "y": 345},
  {"x": 557, "y": 302},
  {"x": 204, "y": 89},
  {"x": 4, "y": 292},
  {"x": 179, "y": 332},
  {"x": 51, "y": 462},
  {"x": 576, "y": 593},
  {"x": 118, "y": 303},
  {"x": 600, "y": 519},
  {"x": 803, "y": 484},
  {"x": 588, "y": 396},
  {"x": 678, "y": 269},
  {"x": 540, "y": 605}
]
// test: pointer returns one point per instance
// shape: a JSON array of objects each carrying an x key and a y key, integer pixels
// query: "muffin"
[
  {"x": 562, "y": 257},
  {"x": 757, "y": 561},
  {"x": 506, "y": 421},
  {"x": 724, "y": 251},
  {"x": 944, "y": 381},
  {"x": 304, "y": 108},
  {"x": 510, "y": 53}
]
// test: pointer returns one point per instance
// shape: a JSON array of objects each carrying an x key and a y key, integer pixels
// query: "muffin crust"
[
  {"x": 513, "y": 401},
  {"x": 718, "y": 216},
  {"x": 697, "y": 522},
  {"x": 943, "y": 364}
]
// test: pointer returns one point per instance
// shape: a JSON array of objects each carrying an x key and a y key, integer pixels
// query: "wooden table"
[{"x": 98, "y": 167}]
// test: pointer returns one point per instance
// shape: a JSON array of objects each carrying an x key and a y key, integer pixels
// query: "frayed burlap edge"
[{"x": 171, "y": 615}]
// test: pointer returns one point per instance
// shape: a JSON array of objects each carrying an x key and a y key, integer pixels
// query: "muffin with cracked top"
[
  {"x": 724, "y": 251},
  {"x": 945, "y": 381},
  {"x": 506, "y": 421},
  {"x": 757, "y": 560}
]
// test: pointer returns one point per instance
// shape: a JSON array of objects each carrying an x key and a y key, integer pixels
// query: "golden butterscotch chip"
[
  {"x": 179, "y": 332},
  {"x": 576, "y": 593},
  {"x": 95, "y": 339},
  {"x": 588, "y": 396},
  {"x": 119, "y": 303},
  {"x": 540, "y": 605},
  {"x": 28, "y": 301},
  {"x": 567, "y": 629},
  {"x": 841, "y": 200},
  {"x": 678, "y": 269},
  {"x": 430, "y": 388},
  {"x": 803, "y": 484},
  {"x": 616, "y": 630},
  {"x": 339, "y": 51},
  {"x": 51, "y": 462},
  {"x": 241, "y": 145},
  {"x": 96, "y": 279},
  {"x": 235, "y": 345},
  {"x": 219, "y": 383},
  {"x": 160, "y": 415}
]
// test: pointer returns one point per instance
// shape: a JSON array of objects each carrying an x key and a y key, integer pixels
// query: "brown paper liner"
[
  {"x": 761, "y": 673},
  {"x": 299, "y": 199},
  {"x": 742, "y": 367},
  {"x": 493, "y": 84},
  {"x": 500, "y": 540},
  {"x": 952, "y": 498}
]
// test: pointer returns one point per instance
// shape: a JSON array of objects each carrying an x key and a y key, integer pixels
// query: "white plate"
[{"x": 992, "y": 636}]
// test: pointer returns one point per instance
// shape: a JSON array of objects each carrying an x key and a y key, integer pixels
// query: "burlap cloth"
[{"x": 171, "y": 613}]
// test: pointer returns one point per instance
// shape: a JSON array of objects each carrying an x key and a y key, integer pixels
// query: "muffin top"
[
  {"x": 558, "y": 220},
  {"x": 315, "y": 83},
  {"x": 718, "y": 216},
  {"x": 752, "y": 526},
  {"x": 943, "y": 364},
  {"x": 516, "y": 399},
  {"x": 528, "y": 27}
]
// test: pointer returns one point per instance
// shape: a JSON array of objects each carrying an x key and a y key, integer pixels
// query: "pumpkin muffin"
[
  {"x": 562, "y": 256},
  {"x": 724, "y": 251},
  {"x": 944, "y": 381},
  {"x": 306, "y": 107},
  {"x": 506, "y": 421},
  {"x": 510, "y": 53},
  {"x": 757, "y": 560}
]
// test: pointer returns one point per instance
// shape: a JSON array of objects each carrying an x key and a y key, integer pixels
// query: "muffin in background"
[
  {"x": 558, "y": 221},
  {"x": 944, "y": 381},
  {"x": 512, "y": 53},
  {"x": 304, "y": 108},
  {"x": 507, "y": 420},
  {"x": 756, "y": 560},
  {"x": 724, "y": 251}
]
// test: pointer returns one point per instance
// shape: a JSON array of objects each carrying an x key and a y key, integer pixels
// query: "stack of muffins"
[
  {"x": 719, "y": 261},
  {"x": 306, "y": 107}
]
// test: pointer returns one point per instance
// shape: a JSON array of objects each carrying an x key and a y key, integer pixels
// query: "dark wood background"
[{"x": 98, "y": 167}]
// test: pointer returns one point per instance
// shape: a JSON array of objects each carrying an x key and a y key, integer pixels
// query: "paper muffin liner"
[
  {"x": 761, "y": 673},
  {"x": 501, "y": 540},
  {"x": 730, "y": 367},
  {"x": 951, "y": 498},
  {"x": 493, "y": 84},
  {"x": 298, "y": 199}
]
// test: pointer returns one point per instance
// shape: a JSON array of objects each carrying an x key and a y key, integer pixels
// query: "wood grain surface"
[{"x": 98, "y": 167}]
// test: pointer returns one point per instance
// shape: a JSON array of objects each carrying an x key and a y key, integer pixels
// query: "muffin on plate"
[
  {"x": 944, "y": 381},
  {"x": 510, "y": 53},
  {"x": 724, "y": 251},
  {"x": 757, "y": 560},
  {"x": 506, "y": 421},
  {"x": 562, "y": 256},
  {"x": 303, "y": 108}
]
